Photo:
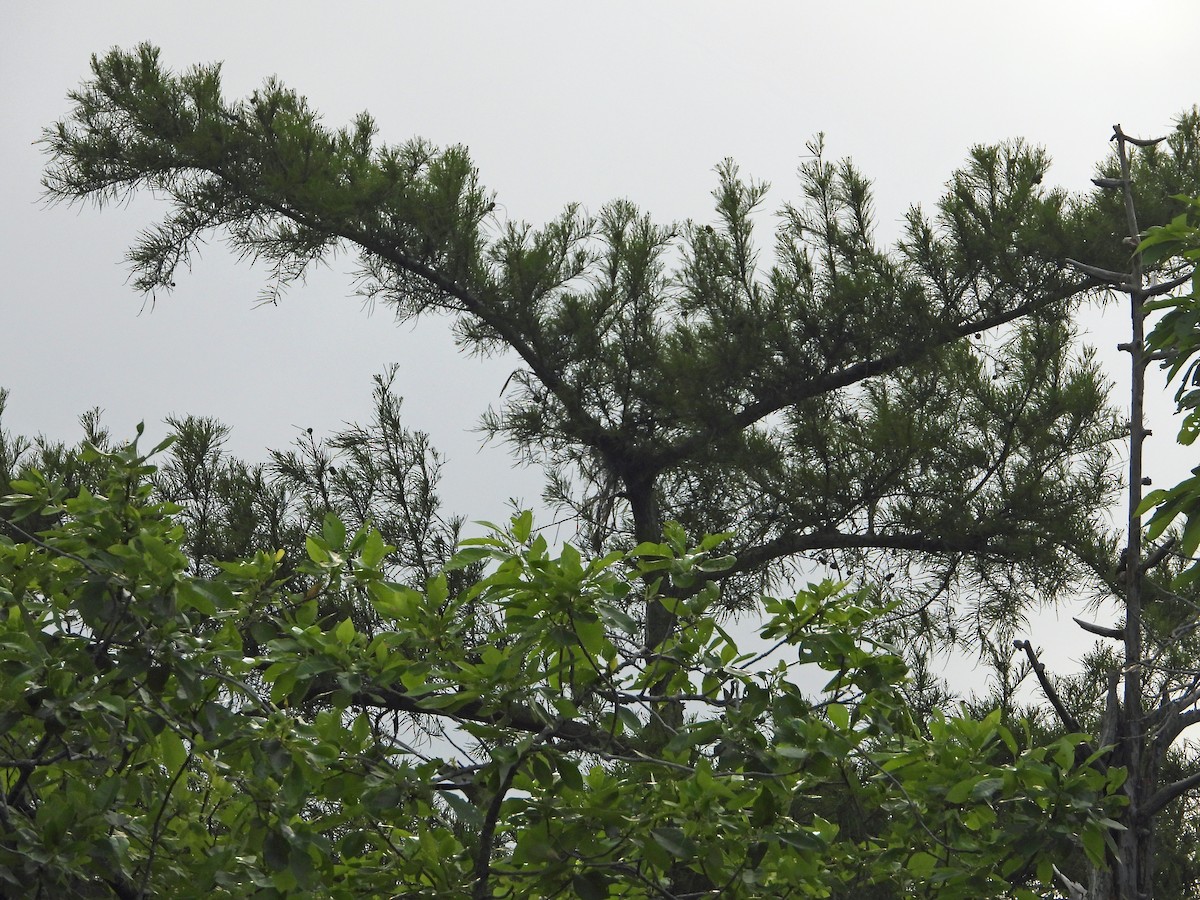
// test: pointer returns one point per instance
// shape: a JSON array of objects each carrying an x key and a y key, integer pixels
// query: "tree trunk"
[
  {"x": 1131, "y": 876},
  {"x": 647, "y": 527}
]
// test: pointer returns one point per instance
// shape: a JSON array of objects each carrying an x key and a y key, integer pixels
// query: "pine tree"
[
  {"x": 918, "y": 407},
  {"x": 919, "y": 410}
]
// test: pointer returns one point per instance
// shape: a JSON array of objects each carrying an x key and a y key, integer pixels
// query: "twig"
[
  {"x": 1074, "y": 889},
  {"x": 156, "y": 830},
  {"x": 483, "y": 857},
  {"x": 1039, "y": 669}
]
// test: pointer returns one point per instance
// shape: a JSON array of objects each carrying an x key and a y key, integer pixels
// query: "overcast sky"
[{"x": 557, "y": 102}]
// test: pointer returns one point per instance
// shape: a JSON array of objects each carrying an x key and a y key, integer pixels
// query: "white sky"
[{"x": 558, "y": 102}]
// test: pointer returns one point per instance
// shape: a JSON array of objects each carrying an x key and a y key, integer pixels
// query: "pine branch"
[
  {"x": 825, "y": 384},
  {"x": 755, "y": 557}
]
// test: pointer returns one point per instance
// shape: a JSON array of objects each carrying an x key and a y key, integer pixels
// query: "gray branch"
[{"x": 1101, "y": 630}]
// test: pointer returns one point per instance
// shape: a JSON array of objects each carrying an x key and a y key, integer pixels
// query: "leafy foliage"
[
  {"x": 144, "y": 754},
  {"x": 1175, "y": 339},
  {"x": 507, "y": 719}
]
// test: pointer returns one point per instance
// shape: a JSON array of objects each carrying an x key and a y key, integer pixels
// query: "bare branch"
[
  {"x": 1101, "y": 630},
  {"x": 1106, "y": 275},
  {"x": 1074, "y": 890},
  {"x": 1039, "y": 669},
  {"x": 1179, "y": 723},
  {"x": 1166, "y": 287},
  {"x": 517, "y": 716},
  {"x": 487, "y": 836},
  {"x": 1160, "y": 553},
  {"x": 1166, "y": 794},
  {"x": 1119, "y": 135}
]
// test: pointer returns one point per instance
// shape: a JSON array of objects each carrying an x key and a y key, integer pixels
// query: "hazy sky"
[{"x": 558, "y": 102}]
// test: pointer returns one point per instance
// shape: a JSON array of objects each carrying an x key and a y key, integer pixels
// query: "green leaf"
[
  {"x": 985, "y": 789},
  {"x": 698, "y": 734},
  {"x": 628, "y": 718},
  {"x": 569, "y": 772},
  {"x": 962, "y": 790},
  {"x": 717, "y": 564},
  {"x": 979, "y": 817},
  {"x": 674, "y": 841},
  {"x": 1064, "y": 755},
  {"x": 374, "y": 550},
  {"x": 463, "y": 808},
  {"x": 839, "y": 716},
  {"x": 804, "y": 839},
  {"x": 522, "y": 526},
  {"x": 1045, "y": 870},
  {"x": 590, "y": 885},
  {"x": 317, "y": 550},
  {"x": 393, "y": 601},
  {"x": 306, "y": 613},
  {"x": 647, "y": 549},
  {"x": 468, "y": 556},
  {"x": 437, "y": 590},
  {"x": 1190, "y": 539},
  {"x": 1116, "y": 777},
  {"x": 676, "y": 537},
  {"x": 191, "y": 595},
  {"x": 765, "y": 809},
  {"x": 276, "y": 851},
  {"x": 1093, "y": 844},
  {"x": 616, "y": 618},
  {"x": 921, "y": 865},
  {"x": 344, "y": 632},
  {"x": 174, "y": 752},
  {"x": 1007, "y": 737},
  {"x": 334, "y": 531},
  {"x": 712, "y": 541}
]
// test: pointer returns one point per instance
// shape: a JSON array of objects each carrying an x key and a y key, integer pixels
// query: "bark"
[{"x": 1131, "y": 872}]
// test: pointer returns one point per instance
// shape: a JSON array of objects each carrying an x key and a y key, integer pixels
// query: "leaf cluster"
[{"x": 145, "y": 753}]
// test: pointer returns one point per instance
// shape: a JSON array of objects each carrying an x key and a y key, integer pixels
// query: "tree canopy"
[
  {"x": 667, "y": 373},
  {"x": 255, "y": 651},
  {"x": 146, "y": 754}
]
